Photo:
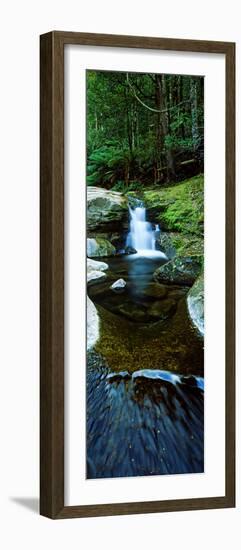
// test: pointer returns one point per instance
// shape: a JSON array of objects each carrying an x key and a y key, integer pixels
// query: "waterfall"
[{"x": 141, "y": 235}]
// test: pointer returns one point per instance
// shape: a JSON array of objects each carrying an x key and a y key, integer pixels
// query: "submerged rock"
[
  {"x": 163, "y": 309},
  {"x": 130, "y": 250},
  {"x": 118, "y": 376},
  {"x": 96, "y": 271},
  {"x": 153, "y": 291},
  {"x": 120, "y": 284},
  {"x": 190, "y": 380},
  {"x": 99, "y": 247},
  {"x": 93, "y": 325},
  {"x": 195, "y": 302},
  {"x": 156, "y": 375},
  {"x": 181, "y": 270},
  {"x": 133, "y": 312},
  {"x": 106, "y": 209}
]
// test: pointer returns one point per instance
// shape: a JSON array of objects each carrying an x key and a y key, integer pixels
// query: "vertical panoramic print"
[{"x": 145, "y": 281}]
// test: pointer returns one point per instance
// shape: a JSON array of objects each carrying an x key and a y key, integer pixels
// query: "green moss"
[
  {"x": 186, "y": 246},
  {"x": 179, "y": 207}
]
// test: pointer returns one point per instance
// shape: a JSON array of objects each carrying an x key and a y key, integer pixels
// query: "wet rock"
[
  {"x": 118, "y": 285},
  {"x": 93, "y": 325},
  {"x": 154, "y": 374},
  {"x": 177, "y": 293},
  {"x": 133, "y": 312},
  {"x": 164, "y": 242},
  {"x": 181, "y": 270},
  {"x": 106, "y": 209},
  {"x": 195, "y": 302},
  {"x": 96, "y": 271},
  {"x": 179, "y": 244},
  {"x": 118, "y": 376},
  {"x": 162, "y": 309},
  {"x": 130, "y": 250},
  {"x": 153, "y": 291},
  {"x": 189, "y": 380},
  {"x": 99, "y": 247}
]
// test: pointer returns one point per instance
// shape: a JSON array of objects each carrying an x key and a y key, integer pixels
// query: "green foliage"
[
  {"x": 107, "y": 164},
  {"x": 134, "y": 187},
  {"x": 143, "y": 127}
]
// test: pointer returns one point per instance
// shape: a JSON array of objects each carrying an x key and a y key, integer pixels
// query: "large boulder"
[
  {"x": 93, "y": 324},
  {"x": 99, "y": 247},
  {"x": 106, "y": 210},
  {"x": 195, "y": 302},
  {"x": 179, "y": 244},
  {"x": 96, "y": 271},
  {"x": 180, "y": 271}
]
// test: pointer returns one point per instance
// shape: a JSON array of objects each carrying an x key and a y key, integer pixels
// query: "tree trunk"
[
  {"x": 165, "y": 129},
  {"x": 194, "y": 113}
]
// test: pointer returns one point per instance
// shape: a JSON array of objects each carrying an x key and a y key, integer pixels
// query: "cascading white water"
[{"x": 141, "y": 236}]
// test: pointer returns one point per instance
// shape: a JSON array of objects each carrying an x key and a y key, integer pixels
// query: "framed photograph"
[{"x": 137, "y": 398}]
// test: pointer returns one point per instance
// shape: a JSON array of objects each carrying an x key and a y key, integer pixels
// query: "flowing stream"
[
  {"x": 145, "y": 385},
  {"x": 142, "y": 237}
]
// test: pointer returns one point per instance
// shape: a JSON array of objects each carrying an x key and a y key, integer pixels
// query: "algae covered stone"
[
  {"x": 99, "y": 247},
  {"x": 181, "y": 270}
]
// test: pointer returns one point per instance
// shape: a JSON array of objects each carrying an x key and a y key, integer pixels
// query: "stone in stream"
[
  {"x": 118, "y": 376},
  {"x": 163, "y": 309},
  {"x": 190, "y": 380},
  {"x": 130, "y": 250},
  {"x": 106, "y": 209},
  {"x": 99, "y": 247},
  {"x": 177, "y": 293},
  {"x": 133, "y": 312},
  {"x": 195, "y": 302},
  {"x": 118, "y": 285},
  {"x": 93, "y": 325},
  {"x": 181, "y": 270},
  {"x": 96, "y": 271},
  {"x": 153, "y": 291}
]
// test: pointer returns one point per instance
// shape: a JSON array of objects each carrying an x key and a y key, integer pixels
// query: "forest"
[{"x": 143, "y": 129}]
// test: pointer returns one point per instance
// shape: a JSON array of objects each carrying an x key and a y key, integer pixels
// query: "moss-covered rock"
[
  {"x": 181, "y": 270},
  {"x": 195, "y": 302},
  {"x": 179, "y": 207},
  {"x": 180, "y": 244},
  {"x": 99, "y": 247}
]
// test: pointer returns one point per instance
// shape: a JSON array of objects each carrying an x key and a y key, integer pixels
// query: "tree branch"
[{"x": 148, "y": 106}]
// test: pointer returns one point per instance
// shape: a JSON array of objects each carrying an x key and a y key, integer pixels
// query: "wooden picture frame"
[{"x": 52, "y": 274}]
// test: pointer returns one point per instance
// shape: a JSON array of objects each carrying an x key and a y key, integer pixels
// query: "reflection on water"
[
  {"x": 141, "y": 331},
  {"x": 142, "y": 426},
  {"x": 145, "y": 386}
]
